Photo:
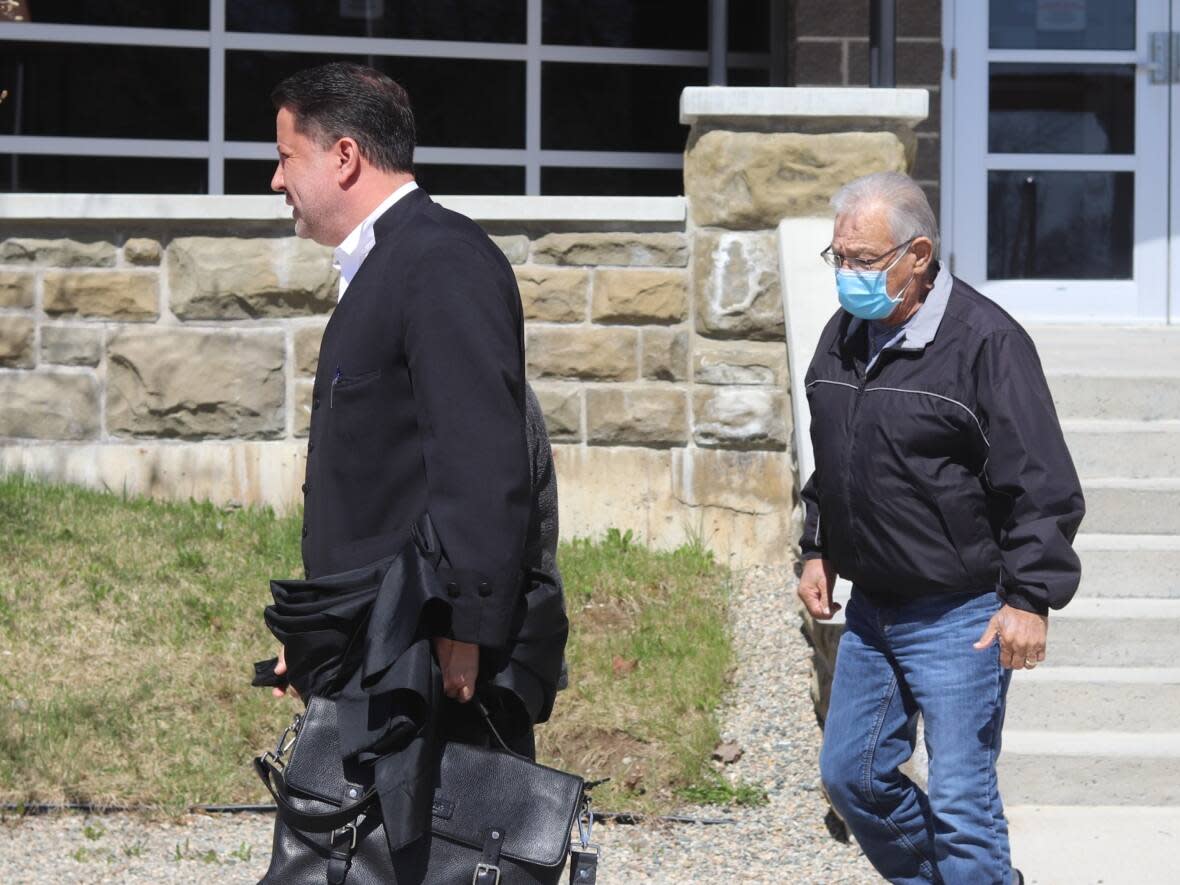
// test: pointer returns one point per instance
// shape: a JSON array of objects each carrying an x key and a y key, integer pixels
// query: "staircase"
[{"x": 1090, "y": 769}]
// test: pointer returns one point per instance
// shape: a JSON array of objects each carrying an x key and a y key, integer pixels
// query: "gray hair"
[{"x": 905, "y": 203}]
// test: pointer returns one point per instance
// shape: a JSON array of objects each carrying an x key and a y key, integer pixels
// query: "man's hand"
[
  {"x": 815, "y": 588},
  {"x": 280, "y": 669},
  {"x": 1022, "y": 637},
  {"x": 460, "y": 666}
]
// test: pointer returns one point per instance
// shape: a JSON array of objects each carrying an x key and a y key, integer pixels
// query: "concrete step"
[
  {"x": 1135, "y": 449},
  {"x": 1128, "y": 351},
  {"x": 1111, "y": 699},
  {"x": 1091, "y": 767},
  {"x": 1136, "y": 398},
  {"x": 1098, "y": 632},
  {"x": 1111, "y": 845},
  {"x": 1120, "y": 566},
  {"x": 1132, "y": 506}
]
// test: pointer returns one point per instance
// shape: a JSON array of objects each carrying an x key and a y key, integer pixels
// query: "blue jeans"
[{"x": 895, "y": 662}]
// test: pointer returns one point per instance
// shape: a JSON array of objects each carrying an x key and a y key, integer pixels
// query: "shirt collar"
[{"x": 352, "y": 252}]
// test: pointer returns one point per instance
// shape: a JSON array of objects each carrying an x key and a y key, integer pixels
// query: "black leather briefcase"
[{"x": 498, "y": 818}]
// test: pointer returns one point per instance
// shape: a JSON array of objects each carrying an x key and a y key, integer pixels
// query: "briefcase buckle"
[{"x": 485, "y": 874}]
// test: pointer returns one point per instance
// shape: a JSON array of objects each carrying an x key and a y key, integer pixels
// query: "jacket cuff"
[
  {"x": 1026, "y": 603},
  {"x": 481, "y": 605},
  {"x": 811, "y": 554}
]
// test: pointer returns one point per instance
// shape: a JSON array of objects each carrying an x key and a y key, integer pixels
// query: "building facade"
[{"x": 1050, "y": 149}]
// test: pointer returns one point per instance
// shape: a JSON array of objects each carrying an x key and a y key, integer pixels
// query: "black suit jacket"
[{"x": 418, "y": 406}]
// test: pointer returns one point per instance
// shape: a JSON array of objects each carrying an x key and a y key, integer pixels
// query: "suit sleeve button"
[
  {"x": 453, "y": 590},
  {"x": 485, "y": 589},
  {"x": 305, "y": 531}
]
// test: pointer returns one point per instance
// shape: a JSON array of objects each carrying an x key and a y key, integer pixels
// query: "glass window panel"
[
  {"x": 1062, "y": 109},
  {"x": 447, "y": 110},
  {"x": 495, "y": 21},
  {"x": 104, "y": 91},
  {"x": 1060, "y": 225},
  {"x": 248, "y": 176},
  {"x": 1062, "y": 24},
  {"x": 440, "y": 178},
  {"x": 120, "y": 13},
  {"x": 749, "y": 26},
  {"x": 108, "y": 175},
  {"x": 612, "y": 182},
  {"x": 647, "y": 24},
  {"x": 614, "y": 107}
]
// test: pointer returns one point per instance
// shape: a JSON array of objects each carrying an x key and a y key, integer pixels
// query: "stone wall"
[{"x": 177, "y": 358}]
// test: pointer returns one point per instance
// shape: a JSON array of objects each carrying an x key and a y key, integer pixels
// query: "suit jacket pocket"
[{"x": 353, "y": 403}]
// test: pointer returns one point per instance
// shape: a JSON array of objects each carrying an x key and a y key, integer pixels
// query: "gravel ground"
[{"x": 769, "y": 716}]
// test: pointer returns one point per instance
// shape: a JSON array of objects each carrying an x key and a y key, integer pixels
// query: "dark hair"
[{"x": 343, "y": 99}]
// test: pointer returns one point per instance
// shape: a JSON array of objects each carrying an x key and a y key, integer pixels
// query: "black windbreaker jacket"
[{"x": 941, "y": 467}]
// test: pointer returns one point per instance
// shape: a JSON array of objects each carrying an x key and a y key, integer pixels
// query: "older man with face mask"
[{"x": 943, "y": 490}]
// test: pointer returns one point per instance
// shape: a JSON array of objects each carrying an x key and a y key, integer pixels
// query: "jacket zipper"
[{"x": 860, "y": 390}]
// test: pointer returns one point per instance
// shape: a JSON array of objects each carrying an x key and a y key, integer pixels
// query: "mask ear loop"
[{"x": 896, "y": 299}]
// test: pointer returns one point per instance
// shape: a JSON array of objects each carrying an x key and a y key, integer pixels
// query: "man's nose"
[{"x": 276, "y": 181}]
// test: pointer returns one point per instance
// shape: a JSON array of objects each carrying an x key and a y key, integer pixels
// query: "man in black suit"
[{"x": 419, "y": 397}]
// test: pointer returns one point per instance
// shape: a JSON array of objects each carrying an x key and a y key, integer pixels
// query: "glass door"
[{"x": 1061, "y": 156}]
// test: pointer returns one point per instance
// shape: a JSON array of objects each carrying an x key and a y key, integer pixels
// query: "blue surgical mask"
[{"x": 863, "y": 293}]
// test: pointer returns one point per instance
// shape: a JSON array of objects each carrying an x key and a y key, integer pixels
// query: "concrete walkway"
[{"x": 1111, "y": 845}]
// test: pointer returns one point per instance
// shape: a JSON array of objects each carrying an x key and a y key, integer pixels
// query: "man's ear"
[
  {"x": 347, "y": 155},
  {"x": 923, "y": 249}
]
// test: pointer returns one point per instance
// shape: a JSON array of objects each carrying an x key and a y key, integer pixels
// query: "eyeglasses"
[{"x": 836, "y": 260}]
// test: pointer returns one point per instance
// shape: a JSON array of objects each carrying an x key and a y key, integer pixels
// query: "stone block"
[
  {"x": 16, "y": 289},
  {"x": 71, "y": 345},
  {"x": 142, "y": 251},
  {"x": 665, "y": 354},
  {"x": 737, "y": 286},
  {"x": 583, "y": 354},
  {"x": 109, "y": 294},
  {"x": 223, "y": 278},
  {"x": 553, "y": 294},
  {"x": 636, "y": 417},
  {"x": 754, "y": 483},
  {"x": 739, "y": 418},
  {"x": 301, "y": 419},
  {"x": 169, "y": 382},
  {"x": 49, "y": 405},
  {"x": 16, "y": 341},
  {"x": 562, "y": 407},
  {"x": 752, "y": 180},
  {"x": 515, "y": 248},
  {"x": 740, "y": 362},
  {"x": 57, "y": 253},
  {"x": 628, "y": 249},
  {"x": 640, "y": 296},
  {"x": 307, "y": 348}
]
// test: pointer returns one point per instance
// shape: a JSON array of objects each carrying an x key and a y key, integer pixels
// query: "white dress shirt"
[{"x": 351, "y": 254}]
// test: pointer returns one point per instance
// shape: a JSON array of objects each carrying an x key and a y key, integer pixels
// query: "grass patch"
[{"x": 128, "y": 626}]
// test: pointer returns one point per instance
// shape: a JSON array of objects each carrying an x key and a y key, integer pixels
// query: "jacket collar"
[{"x": 402, "y": 211}]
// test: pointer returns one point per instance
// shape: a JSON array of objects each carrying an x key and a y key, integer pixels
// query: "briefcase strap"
[{"x": 312, "y": 822}]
